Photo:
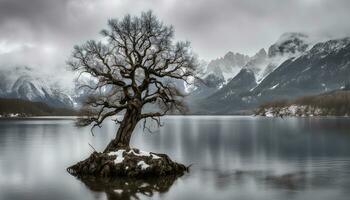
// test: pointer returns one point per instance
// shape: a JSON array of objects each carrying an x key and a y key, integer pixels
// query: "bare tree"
[{"x": 133, "y": 66}]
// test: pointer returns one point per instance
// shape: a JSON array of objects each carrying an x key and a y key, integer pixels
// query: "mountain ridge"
[
  {"x": 304, "y": 70},
  {"x": 22, "y": 83}
]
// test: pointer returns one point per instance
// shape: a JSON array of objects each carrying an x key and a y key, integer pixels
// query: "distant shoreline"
[
  {"x": 226, "y": 115},
  {"x": 40, "y": 117}
]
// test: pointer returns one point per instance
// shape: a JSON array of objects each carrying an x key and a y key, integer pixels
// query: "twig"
[{"x": 92, "y": 147}]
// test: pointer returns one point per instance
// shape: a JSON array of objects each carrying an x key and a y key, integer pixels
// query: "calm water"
[{"x": 232, "y": 157}]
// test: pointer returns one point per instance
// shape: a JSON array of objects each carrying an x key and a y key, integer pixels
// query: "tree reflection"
[{"x": 129, "y": 188}]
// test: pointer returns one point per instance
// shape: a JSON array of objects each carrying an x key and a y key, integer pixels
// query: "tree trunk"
[{"x": 125, "y": 130}]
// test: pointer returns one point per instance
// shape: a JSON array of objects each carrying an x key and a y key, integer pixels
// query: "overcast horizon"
[{"x": 41, "y": 33}]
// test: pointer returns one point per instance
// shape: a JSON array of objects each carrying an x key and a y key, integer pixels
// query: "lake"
[{"x": 232, "y": 157}]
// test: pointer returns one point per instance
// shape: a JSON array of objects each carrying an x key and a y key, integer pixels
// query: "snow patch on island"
[
  {"x": 143, "y": 165},
  {"x": 118, "y": 191},
  {"x": 144, "y": 153},
  {"x": 119, "y": 154}
]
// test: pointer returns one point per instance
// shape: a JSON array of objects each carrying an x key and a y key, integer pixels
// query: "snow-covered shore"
[
  {"x": 294, "y": 110},
  {"x": 14, "y": 115}
]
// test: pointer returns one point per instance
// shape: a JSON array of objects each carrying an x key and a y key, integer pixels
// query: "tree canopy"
[{"x": 134, "y": 65}]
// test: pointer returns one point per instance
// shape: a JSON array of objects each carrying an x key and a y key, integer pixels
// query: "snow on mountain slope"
[
  {"x": 258, "y": 64},
  {"x": 22, "y": 83},
  {"x": 230, "y": 96},
  {"x": 227, "y": 66},
  {"x": 206, "y": 87},
  {"x": 326, "y": 66},
  {"x": 297, "y": 69},
  {"x": 289, "y": 45}
]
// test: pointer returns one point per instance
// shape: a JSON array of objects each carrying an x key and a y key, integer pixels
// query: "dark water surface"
[{"x": 233, "y": 158}]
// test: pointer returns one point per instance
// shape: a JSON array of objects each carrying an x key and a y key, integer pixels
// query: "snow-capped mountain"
[
  {"x": 289, "y": 45},
  {"x": 216, "y": 74},
  {"x": 258, "y": 63},
  {"x": 228, "y": 66},
  {"x": 230, "y": 94},
  {"x": 206, "y": 87},
  {"x": 232, "y": 66},
  {"x": 292, "y": 67},
  {"x": 21, "y": 83},
  {"x": 326, "y": 66}
]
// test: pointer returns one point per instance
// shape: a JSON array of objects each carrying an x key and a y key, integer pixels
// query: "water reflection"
[
  {"x": 232, "y": 157},
  {"x": 129, "y": 188}
]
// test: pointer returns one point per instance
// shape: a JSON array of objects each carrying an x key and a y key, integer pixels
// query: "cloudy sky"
[{"x": 41, "y": 33}]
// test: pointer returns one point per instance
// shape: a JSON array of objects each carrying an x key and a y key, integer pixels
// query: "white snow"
[
  {"x": 274, "y": 62},
  {"x": 268, "y": 113},
  {"x": 273, "y": 87},
  {"x": 144, "y": 185},
  {"x": 143, "y": 165},
  {"x": 144, "y": 153},
  {"x": 14, "y": 115},
  {"x": 119, "y": 191},
  {"x": 270, "y": 66},
  {"x": 306, "y": 69},
  {"x": 120, "y": 158},
  {"x": 229, "y": 75},
  {"x": 293, "y": 110},
  {"x": 119, "y": 154}
]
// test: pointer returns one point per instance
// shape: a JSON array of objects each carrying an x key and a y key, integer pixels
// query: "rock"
[{"x": 127, "y": 162}]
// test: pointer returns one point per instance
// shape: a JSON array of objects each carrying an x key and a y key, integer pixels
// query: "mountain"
[
  {"x": 216, "y": 73},
  {"x": 258, "y": 64},
  {"x": 206, "y": 87},
  {"x": 225, "y": 99},
  {"x": 326, "y": 66},
  {"x": 24, "y": 108},
  {"x": 22, "y": 83},
  {"x": 289, "y": 45},
  {"x": 228, "y": 66},
  {"x": 292, "y": 67}
]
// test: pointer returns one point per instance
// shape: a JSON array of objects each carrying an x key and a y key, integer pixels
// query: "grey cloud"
[{"x": 213, "y": 26}]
